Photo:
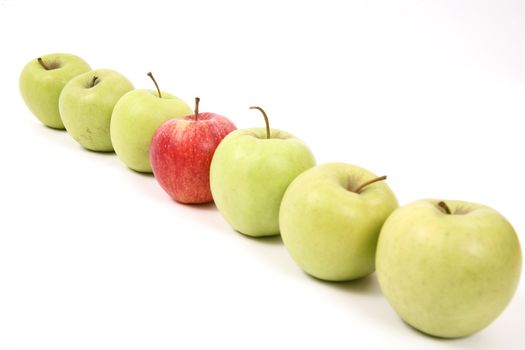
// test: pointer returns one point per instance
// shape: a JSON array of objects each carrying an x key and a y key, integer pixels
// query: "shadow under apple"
[
  {"x": 366, "y": 285},
  {"x": 209, "y": 206},
  {"x": 268, "y": 240}
]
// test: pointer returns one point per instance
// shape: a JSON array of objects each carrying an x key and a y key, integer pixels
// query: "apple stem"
[
  {"x": 155, "y": 82},
  {"x": 445, "y": 207},
  {"x": 197, "y": 100},
  {"x": 265, "y": 120},
  {"x": 42, "y": 63},
  {"x": 369, "y": 182},
  {"x": 94, "y": 81}
]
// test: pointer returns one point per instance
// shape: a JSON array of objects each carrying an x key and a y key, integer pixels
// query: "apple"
[
  {"x": 135, "y": 119},
  {"x": 448, "y": 268},
  {"x": 330, "y": 220},
  {"x": 181, "y": 152},
  {"x": 42, "y": 81},
  {"x": 86, "y": 104},
  {"x": 250, "y": 171}
]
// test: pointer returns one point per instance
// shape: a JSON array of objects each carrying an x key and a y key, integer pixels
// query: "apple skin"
[
  {"x": 86, "y": 108},
  {"x": 329, "y": 230},
  {"x": 181, "y": 152},
  {"x": 249, "y": 174},
  {"x": 135, "y": 119},
  {"x": 40, "y": 88},
  {"x": 448, "y": 275}
]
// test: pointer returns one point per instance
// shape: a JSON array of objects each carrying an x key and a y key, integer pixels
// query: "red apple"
[{"x": 181, "y": 152}]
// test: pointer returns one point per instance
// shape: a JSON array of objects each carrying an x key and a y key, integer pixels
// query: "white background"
[{"x": 95, "y": 256}]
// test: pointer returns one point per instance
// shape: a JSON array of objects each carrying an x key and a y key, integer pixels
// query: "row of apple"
[{"x": 448, "y": 268}]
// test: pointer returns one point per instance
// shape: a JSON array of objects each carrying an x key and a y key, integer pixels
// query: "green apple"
[
  {"x": 250, "y": 171},
  {"x": 330, "y": 219},
  {"x": 86, "y": 104},
  {"x": 135, "y": 119},
  {"x": 42, "y": 81},
  {"x": 448, "y": 268}
]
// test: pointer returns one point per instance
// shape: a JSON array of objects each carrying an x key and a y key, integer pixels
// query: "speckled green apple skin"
[
  {"x": 328, "y": 229},
  {"x": 249, "y": 174},
  {"x": 135, "y": 119},
  {"x": 41, "y": 88},
  {"x": 448, "y": 275},
  {"x": 86, "y": 110}
]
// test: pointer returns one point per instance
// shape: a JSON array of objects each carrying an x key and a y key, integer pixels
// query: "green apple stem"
[
  {"x": 369, "y": 182},
  {"x": 445, "y": 207},
  {"x": 265, "y": 120},
  {"x": 94, "y": 81},
  {"x": 43, "y": 64},
  {"x": 155, "y": 82},
  {"x": 197, "y": 100}
]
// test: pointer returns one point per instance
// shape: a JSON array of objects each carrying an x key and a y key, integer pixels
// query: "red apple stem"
[
  {"x": 369, "y": 182},
  {"x": 155, "y": 82},
  {"x": 42, "y": 63},
  {"x": 445, "y": 207},
  {"x": 197, "y": 100},
  {"x": 265, "y": 120}
]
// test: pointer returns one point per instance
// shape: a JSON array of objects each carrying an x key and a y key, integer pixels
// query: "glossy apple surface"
[
  {"x": 86, "y": 105},
  {"x": 249, "y": 174},
  {"x": 41, "y": 84},
  {"x": 181, "y": 153},
  {"x": 329, "y": 228},
  {"x": 448, "y": 275},
  {"x": 135, "y": 119}
]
